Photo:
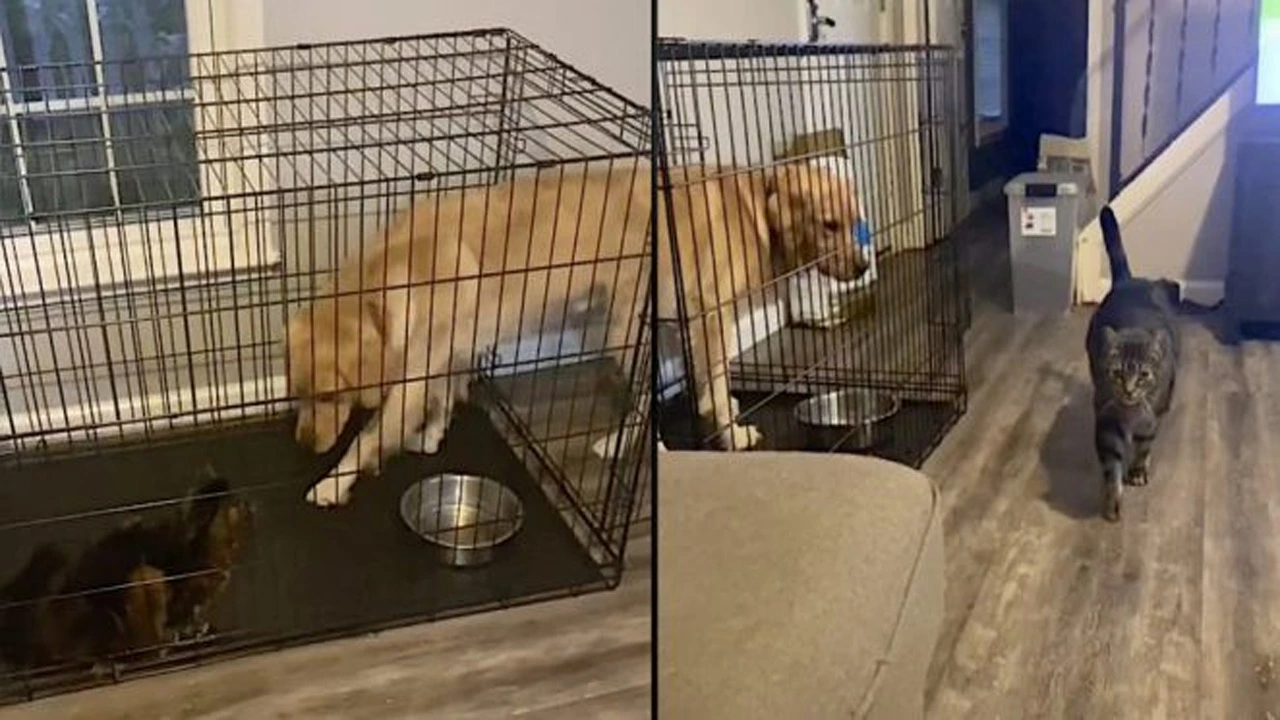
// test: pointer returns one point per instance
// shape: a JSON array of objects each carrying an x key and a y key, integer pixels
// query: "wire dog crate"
[
  {"x": 810, "y": 194},
  {"x": 163, "y": 221}
]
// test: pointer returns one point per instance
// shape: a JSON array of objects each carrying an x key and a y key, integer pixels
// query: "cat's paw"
[
  {"x": 1111, "y": 504},
  {"x": 1138, "y": 477}
]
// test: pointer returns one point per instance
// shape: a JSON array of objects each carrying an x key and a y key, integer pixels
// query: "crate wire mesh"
[
  {"x": 161, "y": 219},
  {"x": 885, "y": 119}
]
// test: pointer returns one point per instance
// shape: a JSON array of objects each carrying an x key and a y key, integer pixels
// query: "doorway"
[{"x": 1025, "y": 75}]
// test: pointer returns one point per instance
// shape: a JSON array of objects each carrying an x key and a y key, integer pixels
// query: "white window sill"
[{"x": 53, "y": 263}]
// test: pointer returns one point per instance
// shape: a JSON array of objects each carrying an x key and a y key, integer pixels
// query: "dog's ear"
[
  {"x": 754, "y": 194},
  {"x": 300, "y": 344},
  {"x": 784, "y": 179},
  {"x": 360, "y": 344},
  {"x": 780, "y": 189},
  {"x": 297, "y": 331}
]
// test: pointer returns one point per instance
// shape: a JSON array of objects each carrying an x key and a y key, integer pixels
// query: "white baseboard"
[
  {"x": 1203, "y": 292},
  {"x": 137, "y": 415}
]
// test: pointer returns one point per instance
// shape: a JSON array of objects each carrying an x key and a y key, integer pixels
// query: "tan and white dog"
[{"x": 400, "y": 326}]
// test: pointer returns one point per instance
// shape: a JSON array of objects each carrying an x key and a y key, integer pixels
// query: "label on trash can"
[{"x": 1039, "y": 221}]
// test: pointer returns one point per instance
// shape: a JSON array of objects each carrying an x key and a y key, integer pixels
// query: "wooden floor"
[{"x": 1055, "y": 613}]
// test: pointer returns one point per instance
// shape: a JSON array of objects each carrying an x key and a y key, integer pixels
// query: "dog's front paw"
[
  {"x": 743, "y": 437},
  {"x": 333, "y": 490},
  {"x": 426, "y": 442},
  {"x": 829, "y": 321}
]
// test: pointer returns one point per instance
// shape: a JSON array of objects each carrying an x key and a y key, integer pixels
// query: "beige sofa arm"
[{"x": 795, "y": 585}]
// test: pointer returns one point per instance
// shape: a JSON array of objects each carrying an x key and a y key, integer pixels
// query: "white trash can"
[{"x": 1046, "y": 211}]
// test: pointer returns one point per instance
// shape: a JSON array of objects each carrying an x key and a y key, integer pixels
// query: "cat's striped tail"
[{"x": 1115, "y": 247}]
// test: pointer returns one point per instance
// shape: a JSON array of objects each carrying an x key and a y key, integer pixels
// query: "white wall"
[
  {"x": 732, "y": 19},
  {"x": 1100, "y": 71},
  {"x": 607, "y": 39}
]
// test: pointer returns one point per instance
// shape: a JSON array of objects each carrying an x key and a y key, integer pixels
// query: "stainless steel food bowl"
[
  {"x": 464, "y": 516},
  {"x": 853, "y": 419}
]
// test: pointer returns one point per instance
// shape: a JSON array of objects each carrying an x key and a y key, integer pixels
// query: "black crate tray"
[
  {"x": 913, "y": 432},
  {"x": 308, "y": 572}
]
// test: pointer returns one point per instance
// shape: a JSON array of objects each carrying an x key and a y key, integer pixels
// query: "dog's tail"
[{"x": 1115, "y": 247}]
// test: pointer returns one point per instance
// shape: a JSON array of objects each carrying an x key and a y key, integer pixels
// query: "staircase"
[{"x": 1166, "y": 81}]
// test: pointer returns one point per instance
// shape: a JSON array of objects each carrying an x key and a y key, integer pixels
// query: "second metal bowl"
[{"x": 852, "y": 419}]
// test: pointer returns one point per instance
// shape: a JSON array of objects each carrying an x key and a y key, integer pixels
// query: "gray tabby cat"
[{"x": 1133, "y": 358}]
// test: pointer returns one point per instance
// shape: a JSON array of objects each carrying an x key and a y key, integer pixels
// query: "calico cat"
[
  {"x": 1132, "y": 345},
  {"x": 211, "y": 534},
  {"x": 139, "y": 588}
]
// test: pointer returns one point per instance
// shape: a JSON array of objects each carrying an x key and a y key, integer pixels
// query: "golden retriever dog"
[
  {"x": 460, "y": 272},
  {"x": 402, "y": 324},
  {"x": 737, "y": 232}
]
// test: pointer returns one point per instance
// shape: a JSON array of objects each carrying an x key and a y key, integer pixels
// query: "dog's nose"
[{"x": 851, "y": 265}]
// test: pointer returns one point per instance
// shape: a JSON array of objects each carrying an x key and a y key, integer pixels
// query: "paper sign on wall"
[{"x": 1039, "y": 221}]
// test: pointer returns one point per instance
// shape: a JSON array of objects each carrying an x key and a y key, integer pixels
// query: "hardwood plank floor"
[{"x": 1052, "y": 612}]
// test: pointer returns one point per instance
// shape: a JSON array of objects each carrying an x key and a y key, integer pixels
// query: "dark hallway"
[
  {"x": 1027, "y": 62},
  {"x": 1048, "y": 44}
]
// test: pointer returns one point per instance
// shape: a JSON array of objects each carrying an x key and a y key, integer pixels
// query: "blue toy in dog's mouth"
[{"x": 862, "y": 232}]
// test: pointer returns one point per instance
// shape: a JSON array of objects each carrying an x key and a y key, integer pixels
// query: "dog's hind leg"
[{"x": 713, "y": 340}]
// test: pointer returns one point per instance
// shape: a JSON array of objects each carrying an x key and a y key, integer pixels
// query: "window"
[
  {"x": 100, "y": 123},
  {"x": 990, "y": 55},
  {"x": 1268, "y": 91}
]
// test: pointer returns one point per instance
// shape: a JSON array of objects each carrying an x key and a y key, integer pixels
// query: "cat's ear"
[
  {"x": 1109, "y": 336},
  {"x": 203, "y": 500},
  {"x": 1160, "y": 344}
]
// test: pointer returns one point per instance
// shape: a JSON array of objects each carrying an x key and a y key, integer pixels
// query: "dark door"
[{"x": 1025, "y": 75}]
